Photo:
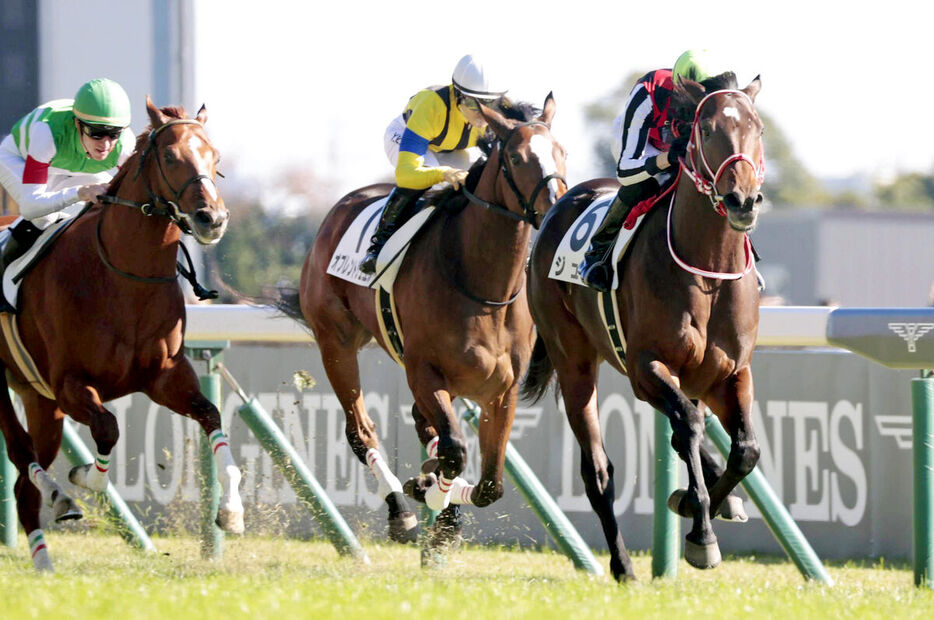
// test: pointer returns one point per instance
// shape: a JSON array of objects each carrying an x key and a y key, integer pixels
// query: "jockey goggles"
[{"x": 99, "y": 132}]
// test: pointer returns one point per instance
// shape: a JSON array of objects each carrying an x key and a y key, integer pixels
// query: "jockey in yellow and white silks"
[
  {"x": 433, "y": 141},
  {"x": 61, "y": 155}
]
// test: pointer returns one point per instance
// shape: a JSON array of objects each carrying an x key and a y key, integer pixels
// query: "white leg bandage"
[
  {"x": 227, "y": 472},
  {"x": 39, "y": 551},
  {"x": 97, "y": 474},
  {"x": 432, "y": 448},
  {"x": 387, "y": 481},
  {"x": 43, "y": 482}
]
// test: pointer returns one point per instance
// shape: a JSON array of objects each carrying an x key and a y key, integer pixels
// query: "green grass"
[{"x": 99, "y": 576}]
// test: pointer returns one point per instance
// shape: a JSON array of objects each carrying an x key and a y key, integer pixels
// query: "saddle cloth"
[
  {"x": 14, "y": 274},
  {"x": 352, "y": 247},
  {"x": 570, "y": 252}
]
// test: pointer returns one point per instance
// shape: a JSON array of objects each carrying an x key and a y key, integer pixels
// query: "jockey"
[
  {"x": 647, "y": 154},
  {"x": 433, "y": 141},
  {"x": 63, "y": 153}
]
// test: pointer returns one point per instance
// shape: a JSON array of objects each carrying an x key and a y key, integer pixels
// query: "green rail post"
[
  {"x": 666, "y": 525},
  {"x": 922, "y": 402},
  {"x": 212, "y": 538},
  {"x": 304, "y": 483},
  {"x": 773, "y": 512},
  {"x": 547, "y": 510},
  {"x": 8, "y": 520},
  {"x": 119, "y": 513}
]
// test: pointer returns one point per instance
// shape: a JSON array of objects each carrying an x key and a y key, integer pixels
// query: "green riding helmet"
[
  {"x": 696, "y": 65},
  {"x": 102, "y": 102}
]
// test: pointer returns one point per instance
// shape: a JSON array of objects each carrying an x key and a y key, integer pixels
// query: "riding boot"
[
  {"x": 596, "y": 270},
  {"x": 22, "y": 235},
  {"x": 399, "y": 207}
]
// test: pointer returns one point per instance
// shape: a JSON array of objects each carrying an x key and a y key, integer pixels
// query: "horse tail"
[
  {"x": 540, "y": 373},
  {"x": 287, "y": 302}
]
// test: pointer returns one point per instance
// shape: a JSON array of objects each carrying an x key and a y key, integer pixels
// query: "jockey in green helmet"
[{"x": 62, "y": 154}]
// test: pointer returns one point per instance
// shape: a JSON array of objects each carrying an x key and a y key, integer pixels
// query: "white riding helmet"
[{"x": 471, "y": 79}]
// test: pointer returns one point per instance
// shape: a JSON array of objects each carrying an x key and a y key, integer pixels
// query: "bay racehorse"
[
  {"x": 462, "y": 310},
  {"x": 103, "y": 315},
  {"x": 688, "y": 306}
]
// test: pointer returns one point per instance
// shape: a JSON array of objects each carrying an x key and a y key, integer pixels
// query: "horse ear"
[
  {"x": 202, "y": 116},
  {"x": 694, "y": 91},
  {"x": 497, "y": 121},
  {"x": 548, "y": 110},
  {"x": 156, "y": 117},
  {"x": 753, "y": 89}
]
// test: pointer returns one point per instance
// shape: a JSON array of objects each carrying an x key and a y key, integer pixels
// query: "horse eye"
[
  {"x": 705, "y": 131},
  {"x": 515, "y": 160},
  {"x": 169, "y": 157}
]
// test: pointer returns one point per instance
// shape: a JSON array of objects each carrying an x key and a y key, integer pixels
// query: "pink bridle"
[{"x": 704, "y": 185}]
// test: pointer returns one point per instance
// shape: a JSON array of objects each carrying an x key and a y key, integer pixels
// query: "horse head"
[
  {"x": 725, "y": 155},
  {"x": 181, "y": 164},
  {"x": 531, "y": 161}
]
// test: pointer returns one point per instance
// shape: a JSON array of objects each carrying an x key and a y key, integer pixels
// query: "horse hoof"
[
  {"x": 446, "y": 531},
  {"x": 732, "y": 510},
  {"x": 702, "y": 556},
  {"x": 230, "y": 521},
  {"x": 65, "y": 509},
  {"x": 433, "y": 558},
  {"x": 429, "y": 466},
  {"x": 404, "y": 528},
  {"x": 677, "y": 505},
  {"x": 417, "y": 487}
]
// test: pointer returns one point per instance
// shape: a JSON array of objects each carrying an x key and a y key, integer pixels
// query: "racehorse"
[
  {"x": 688, "y": 306},
  {"x": 460, "y": 302},
  {"x": 103, "y": 316}
]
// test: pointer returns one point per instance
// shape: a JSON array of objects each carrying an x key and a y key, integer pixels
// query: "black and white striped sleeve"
[{"x": 637, "y": 161}]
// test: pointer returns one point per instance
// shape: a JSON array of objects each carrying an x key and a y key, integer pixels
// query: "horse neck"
[
  {"x": 492, "y": 247},
  {"x": 136, "y": 243},
  {"x": 702, "y": 237}
]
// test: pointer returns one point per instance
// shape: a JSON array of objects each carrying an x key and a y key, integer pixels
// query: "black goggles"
[{"x": 99, "y": 132}]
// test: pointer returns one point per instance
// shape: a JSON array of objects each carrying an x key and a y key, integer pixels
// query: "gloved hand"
[
  {"x": 89, "y": 193},
  {"x": 455, "y": 177},
  {"x": 678, "y": 149}
]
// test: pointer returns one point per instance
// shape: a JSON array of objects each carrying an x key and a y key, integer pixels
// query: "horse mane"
[
  {"x": 683, "y": 104},
  {"x": 514, "y": 110},
  {"x": 142, "y": 140}
]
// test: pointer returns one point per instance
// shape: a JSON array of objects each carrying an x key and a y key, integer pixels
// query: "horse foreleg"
[
  {"x": 732, "y": 402},
  {"x": 178, "y": 389},
  {"x": 340, "y": 364},
  {"x": 662, "y": 391},
  {"x": 579, "y": 388},
  {"x": 83, "y": 403},
  {"x": 434, "y": 401}
]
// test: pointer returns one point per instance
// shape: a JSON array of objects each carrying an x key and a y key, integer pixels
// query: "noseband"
[
  {"x": 708, "y": 186},
  {"x": 528, "y": 207}
]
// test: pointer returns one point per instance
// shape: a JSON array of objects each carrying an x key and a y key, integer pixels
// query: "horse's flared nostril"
[{"x": 209, "y": 218}]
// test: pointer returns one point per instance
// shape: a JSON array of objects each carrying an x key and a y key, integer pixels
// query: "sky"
[{"x": 313, "y": 86}]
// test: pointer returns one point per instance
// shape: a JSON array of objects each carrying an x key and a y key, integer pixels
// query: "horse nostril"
[
  {"x": 759, "y": 198},
  {"x": 733, "y": 201},
  {"x": 204, "y": 218}
]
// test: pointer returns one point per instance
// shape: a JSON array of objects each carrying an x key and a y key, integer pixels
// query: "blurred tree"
[
  {"x": 260, "y": 251},
  {"x": 912, "y": 192}
]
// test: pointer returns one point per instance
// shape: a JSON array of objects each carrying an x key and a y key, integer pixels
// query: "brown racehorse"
[
  {"x": 103, "y": 316},
  {"x": 466, "y": 325},
  {"x": 688, "y": 305}
]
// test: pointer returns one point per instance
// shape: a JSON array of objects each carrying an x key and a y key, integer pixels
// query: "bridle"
[
  {"x": 170, "y": 210},
  {"x": 529, "y": 214},
  {"x": 708, "y": 185},
  {"x": 158, "y": 205}
]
